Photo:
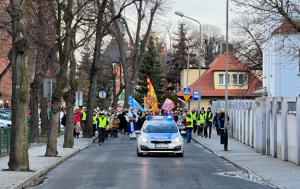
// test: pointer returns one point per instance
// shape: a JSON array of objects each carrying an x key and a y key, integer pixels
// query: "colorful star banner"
[
  {"x": 151, "y": 99},
  {"x": 168, "y": 105},
  {"x": 134, "y": 104}
]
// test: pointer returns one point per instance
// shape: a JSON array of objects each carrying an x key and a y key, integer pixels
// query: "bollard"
[{"x": 224, "y": 138}]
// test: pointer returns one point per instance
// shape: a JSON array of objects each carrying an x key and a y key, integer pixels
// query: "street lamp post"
[
  {"x": 178, "y": 13},
  {"x": 226, "y": 83}
]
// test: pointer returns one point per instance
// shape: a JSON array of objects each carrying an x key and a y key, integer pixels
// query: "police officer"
[
  {"x": 103, "y": 122},
  {"x": 208, "y": 122},
  {"x": 102, "y": 111},
  {"x": 201, "y": 121},
  {"x": 188, "y": 127},
  {"x": 194, "y": 116},
  {"x": 83, "y": 118}
]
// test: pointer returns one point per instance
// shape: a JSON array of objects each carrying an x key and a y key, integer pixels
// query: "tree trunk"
[
  {"x": 34, "y": 112},
  {"x": 70, "y": 101},
  {"x": 18, "y": 156},
  {"x": 45, "y": 125},
  {"x": 51, "y": 149},
  {"x": 127, "y": 91},
  {"x": 61, "y": 79},
  {"x": 88, "y": 129},
  {"x": 95, "y": 70},
  {"x": 69, "y": 129},
  {"x": 58, "y": 124}
]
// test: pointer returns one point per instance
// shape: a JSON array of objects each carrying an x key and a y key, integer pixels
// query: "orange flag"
[{"x": 151, "y": 96}]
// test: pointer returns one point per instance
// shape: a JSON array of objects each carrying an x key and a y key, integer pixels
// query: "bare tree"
[
  {"x": 102, "y": 29},
  {"x": 44, "y": 39},
  {"x": 138, "y": 41},
  {"x": 18, "y": 157},
  {"x": 211, "y": 38},
  {"x": 85, "y": 32},
  {"x": 248, "y": 41},
  {"x": 276, "y": 17},
  {"x": 64, "y": 49}
]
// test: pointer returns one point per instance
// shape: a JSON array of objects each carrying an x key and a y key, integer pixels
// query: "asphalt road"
[{"x": 116, "y": 165}]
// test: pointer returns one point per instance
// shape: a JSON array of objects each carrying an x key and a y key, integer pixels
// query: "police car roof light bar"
[{"x": 160, "y": 117}]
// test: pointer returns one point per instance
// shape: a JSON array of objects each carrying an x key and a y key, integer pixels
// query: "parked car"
[{"x": 5, "y": 118}]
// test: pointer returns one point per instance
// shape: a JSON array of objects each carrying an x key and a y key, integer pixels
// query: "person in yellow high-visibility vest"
[
  {"x": 94, "y": 122},
  {"x": 194, "y": 116},
  {"x": 201, "y": 121},
  {"x": 103, "y": 122},
  {"x": 188, "y": 123},
  {"x": 108, "y": 126},
  {"x": 208, "y": 122},
  {"x": 83, "y": 118}
]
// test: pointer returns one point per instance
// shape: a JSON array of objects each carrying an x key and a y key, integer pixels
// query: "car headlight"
[
  {"x": 143, "y": 139},
  {"x": 177, "y": 140}
]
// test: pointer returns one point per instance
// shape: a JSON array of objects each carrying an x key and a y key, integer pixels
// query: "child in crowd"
[
  {"x": 77, "y": 130},
  {"x": 115, "y": 123}
]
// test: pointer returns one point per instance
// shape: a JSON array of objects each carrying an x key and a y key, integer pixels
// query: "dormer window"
[
  {"x": 238, "y": 79},
  {"x": 222, "y": 79}
]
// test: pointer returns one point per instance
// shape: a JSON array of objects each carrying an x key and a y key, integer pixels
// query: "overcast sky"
[{"x": 205, "y": 11}]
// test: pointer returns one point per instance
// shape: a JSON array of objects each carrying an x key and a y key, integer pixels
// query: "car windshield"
[
  {"x": 5, "y": 115},
  {"x": 160, "y": 127}
]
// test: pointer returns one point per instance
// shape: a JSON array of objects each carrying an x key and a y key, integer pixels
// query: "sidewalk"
[
  {"x": 39, "y": 164},
  {"x": 272, "y": 170}
]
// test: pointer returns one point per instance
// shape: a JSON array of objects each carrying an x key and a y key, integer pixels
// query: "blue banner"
[{"x": 134, "y": 104}]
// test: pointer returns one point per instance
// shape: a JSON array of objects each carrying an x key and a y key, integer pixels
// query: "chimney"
[{"x": 222, "y": 48}]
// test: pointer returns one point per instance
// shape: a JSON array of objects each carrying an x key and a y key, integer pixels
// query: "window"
[
  {"x": 159, "y": 127},
  {"x": 222, "y": 79},
  {"x": 238, "y": 79}
]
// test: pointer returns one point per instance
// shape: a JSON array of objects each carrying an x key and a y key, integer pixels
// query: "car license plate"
[{"x": 161, "y": 146}]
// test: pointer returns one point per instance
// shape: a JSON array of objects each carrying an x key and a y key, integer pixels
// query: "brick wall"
[{"x": 5, "y": 46}]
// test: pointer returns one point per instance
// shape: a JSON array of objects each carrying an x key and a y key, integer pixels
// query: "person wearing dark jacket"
[
  {"x": 64, "y": 120},
  {"x": 141, "y": 120},
  {"x": 123, "y": 122},
  {"x": 215, "y": 122},
  {"x": 222, "y": 120}
]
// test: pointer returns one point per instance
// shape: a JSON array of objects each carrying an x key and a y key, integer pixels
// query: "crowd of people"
[{"x": 123, "y": 121}]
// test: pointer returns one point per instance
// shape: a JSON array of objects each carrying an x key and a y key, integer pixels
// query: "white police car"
[{"x": 160, "y": 134}]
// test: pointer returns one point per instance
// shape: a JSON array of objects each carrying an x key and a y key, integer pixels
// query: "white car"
[
  {"x": 160, "y": 135},
  {"x": 5, "y": 118}
]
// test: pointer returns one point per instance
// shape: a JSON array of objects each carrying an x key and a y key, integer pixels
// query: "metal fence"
[{"x": 5, "y": 139}]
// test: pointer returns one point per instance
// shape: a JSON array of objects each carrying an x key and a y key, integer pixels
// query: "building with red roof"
[
  {"x": 242, "y": 81},
  {"x": 281, "y": 62}
]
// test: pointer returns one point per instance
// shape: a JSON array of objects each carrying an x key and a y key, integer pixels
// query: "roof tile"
[{"x": 219, "y": 64}]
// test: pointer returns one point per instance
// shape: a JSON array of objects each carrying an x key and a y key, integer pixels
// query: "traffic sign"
[
  {"x": 48, "y": 87},
  {"x": 186, "y": 97},
  {"x": 78, "y": 97},
  {"x": 186, "y": 91},
  {"x": 102, "y": 94},
  {"x": 196, "y": 94}
]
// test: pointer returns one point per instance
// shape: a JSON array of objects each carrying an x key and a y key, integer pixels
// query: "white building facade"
[{"x": 281, "y": 65}]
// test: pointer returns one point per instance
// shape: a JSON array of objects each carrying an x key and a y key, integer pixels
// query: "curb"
[
  {"x": 28, "y": 181},
  {"x": 250, "y": 172}
]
